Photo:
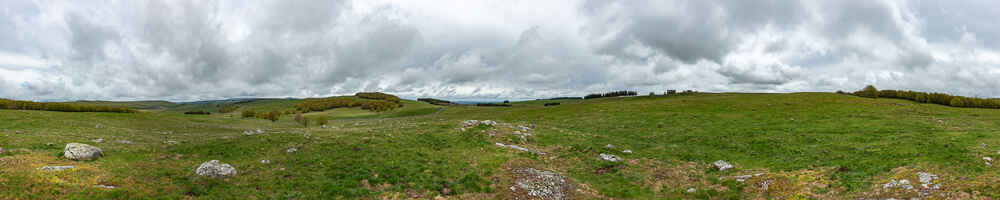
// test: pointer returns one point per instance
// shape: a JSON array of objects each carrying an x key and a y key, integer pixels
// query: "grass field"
[{"x": 803, "y": 145}]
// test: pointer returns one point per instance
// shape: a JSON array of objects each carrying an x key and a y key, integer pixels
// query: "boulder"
[
  {"x": 215, "y": 168},
  {"x": 291, "y": 150},
  {"x": 77, "y": 151},
  {"x": 609, "y": 146},
  {"x": 626, "y": 151},
  {"x": 487, "y": 123},
  {"x": 722, "y": 165},
  {"x": 265, "y": 161},
  {"x": 55, "y": 168},
  {"x": 98, "y": 140},
  {"x": 610, "y": 158},
  {"x": 125, "y": 142}
]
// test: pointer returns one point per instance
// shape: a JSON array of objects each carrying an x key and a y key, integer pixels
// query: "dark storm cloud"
[{"x": 193, "y": 50}]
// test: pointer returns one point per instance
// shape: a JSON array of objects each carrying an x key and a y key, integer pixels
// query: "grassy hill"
[{"x": 802, "y": 145}]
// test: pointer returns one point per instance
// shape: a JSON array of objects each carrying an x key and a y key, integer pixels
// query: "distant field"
[{"x": 802, "y": 145}]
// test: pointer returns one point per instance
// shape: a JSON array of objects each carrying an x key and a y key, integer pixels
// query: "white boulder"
[
  {"x": 77, "y": 151},
  {"x": 215, "y": 168}
]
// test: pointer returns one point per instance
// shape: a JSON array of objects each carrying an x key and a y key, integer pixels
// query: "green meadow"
[{"x": 793, "y": 146}]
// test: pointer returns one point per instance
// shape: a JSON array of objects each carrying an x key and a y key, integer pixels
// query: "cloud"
[{"x": 196, "y": 50}]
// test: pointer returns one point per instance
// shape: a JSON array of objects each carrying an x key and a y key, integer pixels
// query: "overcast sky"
[{"x": 199, "y": 50}]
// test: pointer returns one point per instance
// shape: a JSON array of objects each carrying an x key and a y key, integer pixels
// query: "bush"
[
  {"x": 273, "y": 116},
  {"x": 321, "y": 120},
  {"x": 869, "y": 92},
  {"x": 199, "y": 112},
  {"x": 248, "y": 114},
  {"x": 435, "y": 101},
  {"x": 612, "y": 94},
  {"x": 552, "y": 104},
  {"x": 344, "y": 102},
  {"x": 957, "y": 102}
]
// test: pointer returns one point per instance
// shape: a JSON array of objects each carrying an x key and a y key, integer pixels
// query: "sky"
[{"x": 187, "y": 50}]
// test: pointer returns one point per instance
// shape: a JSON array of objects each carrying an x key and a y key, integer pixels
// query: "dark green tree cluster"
[
  {"x": 935, "y": 98},
  {"x": 273, "y": 115},
  {"x": 345, "y": 102},
  {"x": 612, "y": 94},
  {"x": 61, "y": 107},
  {"x": 379, "y": 96}
]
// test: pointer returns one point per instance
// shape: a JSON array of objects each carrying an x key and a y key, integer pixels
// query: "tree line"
[
  {"x": 61, "y": 107},
  {"x": 611, "y": 94},
  {"x": 925, "y": 97}
]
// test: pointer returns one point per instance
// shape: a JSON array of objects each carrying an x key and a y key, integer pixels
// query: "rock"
[
  {"x": 610, "y": 158},
  {"x": 722, "y": 165},
  {"x": 248, "y": 133},
  {"x": 77, "y": 151},
  {"x": 523, "y": 128},
  {"x": 517, "y": 132},
  {"x": 988, "y": 160},
  {"x": 324, "y": 126},
  {"x": 291, "y": 150},
  {"x": 469, "y": 123},
  {"x": 125, "y": 142},
  {"x": 609, "y": 146},
  {"x": 259, "y": 131},
  {"x": 927, "y": 180},
  {"x": 745, "y": 177},
  {"x": 215, "y": 168},
  {"x": 265, "y": 162},
  {"x": 902, "y": 184},
  {"x": 98, "y": 140},
  {"x": 55, "y": 168},
  {"x": 463, "y": 129},
  {"x": 538, "y": 184},
  {"x": 97, "y": 126},
  {"x": 487, "y": 123},
  {"x": 691, "y": 190},
  {"x": 519, "y": 148},
  {"x": 626, "y": 151},
  {"x": 2, "y": 150},
  {"x": 107, "y": 186},
  {"x": 171, "y": 142}
]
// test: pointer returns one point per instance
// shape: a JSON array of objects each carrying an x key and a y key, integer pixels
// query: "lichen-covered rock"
[
  {"x": 215, "y": 168},
  {"x": 722, "y": 165},
  {"x": 610, "y": 158},
  {"x": 55, "y": 168},
  {"x": 538, "y": 184},
  {"x": 77, "y": 151}
]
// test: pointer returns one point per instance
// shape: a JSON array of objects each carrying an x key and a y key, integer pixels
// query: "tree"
[
  {"x": 957, "y": 102},
  {"x": 869, "y": 91},
  {"x": 298, "y": 118}
]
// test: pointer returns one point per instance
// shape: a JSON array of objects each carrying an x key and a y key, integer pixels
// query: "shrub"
[
  {"x": 957, "y": 102},
  {"x": 273, "y": 116},
  {"x": 435, "y": 101},
  {"x": 611, "y": 94},
  {"x": 321, "y": 120},
  {"x": 198, "y": 112},
  {"x": 248, "y": 114},
  {"x": 869, "y": 92},
  {"x": 552, "y": 104}
]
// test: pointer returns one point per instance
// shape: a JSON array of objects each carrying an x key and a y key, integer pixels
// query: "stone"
[
  {"x": 487, "y": 123},
  {"x": 538, "y": 184},
  {"x": 745, "y": 177},
  {"x": 927, "y": 180},
  {"x": 291, "y": 150},
  {"x": 988, "y": 160},
  {"x": 610, "y": 158},
  {"x": 260, "y": 131},
  {"x": 248, "y": 133},
  {"x": 519, "y": 148},
  {"x": 517, "y": 132},
  {"x": 98, "y": 140},
  {"x": 171, "y": 142},
  {"x": 722, "y": 165},
  {"x": 55, "y": 168},
  {"x": 97, "y": 126},
  {"x": 626, "y": 151},
  {"x": 125, "y": 142},
  {"x": 2, "y": 150},
  {"x": 265, "y": 162},
  {"x": 107, "y": 186},
  {"x": 691, "y": 190},
  {"x": 77, "y": 151},
  {"x": 215, "y": 168},
  {"x": 468, "y": 123},
  {"x": 609, "y": 146}
]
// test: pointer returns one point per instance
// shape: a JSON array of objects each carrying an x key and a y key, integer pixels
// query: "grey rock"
[
  {"x": 610, "y": 158},
  {"x": 77, "y": 151},
  {"x": 55, "y": 168},
  {"x": 691, "y": 190},
  {"x": 519, "y": 148},
  {"x": 627, "y": 151},
  {"x": 215, "y": 168},
  {"x": 248, "y": 133},
  {"x": 2, "y": 150},
  {"x": 98, "y": 140},
  {"x": 265, "y": 161},
  {"x": 171, "y": 142},
  {"x": 722, "y": 165},
  {"x": 487, "y": 123},
  {"x": 291, "y": 150},
  {"x": 541, "y": 184},
  {"x": 97, "y": 126},
  {"x": 469, "y": 123},
  {"x": 609, "y": 146},
  {"x": 125, "y": 142},
  {"x": 927, "y": 180},
  {"x": 107, "y": 186}
]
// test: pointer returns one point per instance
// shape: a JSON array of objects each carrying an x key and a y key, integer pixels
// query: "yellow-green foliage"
[
  {"x": 935, "y": 98},
  {"x": 62, "y": 107},
  {"x": 377, "y": 102},
  {"x": 249, "y": 113},
  {"x": 869, "y": 91}
]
